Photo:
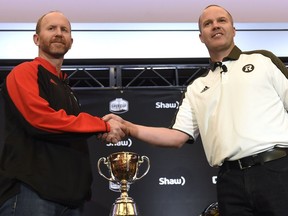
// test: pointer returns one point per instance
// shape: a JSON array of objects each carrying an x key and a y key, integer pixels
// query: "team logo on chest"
[{"x": 248, "y": 68}]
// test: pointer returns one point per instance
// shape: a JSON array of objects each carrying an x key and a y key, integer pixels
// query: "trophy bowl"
[{"x": 123, "y": 168}]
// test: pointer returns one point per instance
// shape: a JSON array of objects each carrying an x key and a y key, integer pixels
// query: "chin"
[{"x": 58, "y": 52}]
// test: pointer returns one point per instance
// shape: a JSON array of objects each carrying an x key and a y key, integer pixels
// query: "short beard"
[{"x": 54, "y": 52}]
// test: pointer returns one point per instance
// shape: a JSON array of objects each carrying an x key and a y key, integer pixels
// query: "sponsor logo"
[
  {"x": 214, "y": 179},
  {"x": 122, "y": 143},
  {"x": 204, "y": 89},
  {"x": 166, "y": 181},
  {"x": 162, "y": 105},
  {"x": 118, "y": 106}
]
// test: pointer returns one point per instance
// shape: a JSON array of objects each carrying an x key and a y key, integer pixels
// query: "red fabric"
[{"x": 23, "y": 89}]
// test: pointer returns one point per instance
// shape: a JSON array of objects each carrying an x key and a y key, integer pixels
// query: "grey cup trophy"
[{"x": 123, "y": 169}]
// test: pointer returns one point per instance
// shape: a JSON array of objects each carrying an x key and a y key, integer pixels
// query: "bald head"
[
  {"x": 51, "y": 13},
  {"x": 200, "y": 20}
]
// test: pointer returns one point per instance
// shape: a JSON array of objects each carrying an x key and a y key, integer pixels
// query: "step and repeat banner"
[{"x": 179, "y": 182}]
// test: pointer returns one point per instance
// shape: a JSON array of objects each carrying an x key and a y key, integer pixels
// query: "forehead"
[
  {"x": 55, "y": 18},
  {"x": 213, "y": 12}
]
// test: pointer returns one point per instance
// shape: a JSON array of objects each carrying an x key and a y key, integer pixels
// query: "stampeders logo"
[
  {"x": 122, "y": 143},
  {"x": 177, "y": 181},
  {"x": 119, "y": 106},
  {"x": 162, "y": 105}
]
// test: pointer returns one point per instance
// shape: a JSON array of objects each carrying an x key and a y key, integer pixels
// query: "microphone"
[
  {"x": 224, "y": 68},
  {"x": 219, "y": 64}
]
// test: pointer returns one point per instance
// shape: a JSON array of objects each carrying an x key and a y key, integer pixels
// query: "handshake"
[
  {"x": 157, "y": 136},
  {"x": 118, "y": 129}
]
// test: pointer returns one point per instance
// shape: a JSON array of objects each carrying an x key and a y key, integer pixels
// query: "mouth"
[
  {"x": 217, "y": 35},
  {"x": 58, "y": 42}
]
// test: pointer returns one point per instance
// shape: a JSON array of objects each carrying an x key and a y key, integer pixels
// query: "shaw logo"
[
  {"x": 161, "y": 105},
  {"x": 118, "y": 106},
  {"x": 165, "y": 181},
  {"x": 125, "y": 143},
  {"x": 214, "y": 179}
]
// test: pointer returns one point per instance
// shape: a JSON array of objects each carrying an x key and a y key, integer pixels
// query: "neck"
[
  {"x": 56, "y": 62},
  {"x": 219, "y": 55}
]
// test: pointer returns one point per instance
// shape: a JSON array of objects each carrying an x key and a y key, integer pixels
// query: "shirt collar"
[
  {"x": 233, "y": 55},
  {"x": 46, "y": 64}
]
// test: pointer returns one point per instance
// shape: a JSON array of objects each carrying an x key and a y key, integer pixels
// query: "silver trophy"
[{"x": 123, "y": 169}]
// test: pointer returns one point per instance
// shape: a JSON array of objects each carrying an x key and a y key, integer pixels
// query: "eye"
[
  {"x": 207, "y": 23},
  {"x": 51, "y": 28},
  {"x": 64, "y": 29},
  {"x": 223, "y": 20}
]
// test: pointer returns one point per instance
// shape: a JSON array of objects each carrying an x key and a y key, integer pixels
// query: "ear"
[
  {"x": 36, "y": 39},
  {"x": 200, "y": 37},
  {"x": 71, "y": 43}
]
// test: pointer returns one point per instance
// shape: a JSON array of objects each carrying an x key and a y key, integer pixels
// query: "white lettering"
[
  {"x": 214, "y": 179},
  {"x": 165, "y": 181},
  {"x": 161, "y": 105},
  {"x": 125, "y": 143}
]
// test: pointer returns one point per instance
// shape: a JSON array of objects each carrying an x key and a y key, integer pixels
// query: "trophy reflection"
[{"x": 123, "y": 169}]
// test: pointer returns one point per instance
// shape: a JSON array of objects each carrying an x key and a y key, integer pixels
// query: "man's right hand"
[{"x": 117, "y": 129}]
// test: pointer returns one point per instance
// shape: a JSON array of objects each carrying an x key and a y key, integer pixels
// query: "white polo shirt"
[{"x": 239, "y": 112}]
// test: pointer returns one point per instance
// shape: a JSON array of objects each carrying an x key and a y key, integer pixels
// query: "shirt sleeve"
[
  {"x": 185, "y": 120},
  {"x": 23, "y": 90}
]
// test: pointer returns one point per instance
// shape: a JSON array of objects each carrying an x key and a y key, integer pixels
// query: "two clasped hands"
[{"x": 118, "y": 129}]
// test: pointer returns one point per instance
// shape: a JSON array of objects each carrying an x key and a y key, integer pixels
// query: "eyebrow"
[{"x": 218, "y": 18}]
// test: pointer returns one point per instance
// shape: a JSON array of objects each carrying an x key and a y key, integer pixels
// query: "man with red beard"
[{"x": 45, "y": 166}]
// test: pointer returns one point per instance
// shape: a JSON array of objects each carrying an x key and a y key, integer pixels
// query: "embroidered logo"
[
  {"x": 248, "y": 68},
  {"x": 204, "y": 89},
  {"x": 53, "y": 81}
]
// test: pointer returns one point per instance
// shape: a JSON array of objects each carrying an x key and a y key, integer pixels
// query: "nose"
[
  {"x": 58, "y": 31},
  {"x": 215, "y": 25}
]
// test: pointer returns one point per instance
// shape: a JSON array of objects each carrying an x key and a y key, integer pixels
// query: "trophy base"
[{"x": 124, "y": 207}]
